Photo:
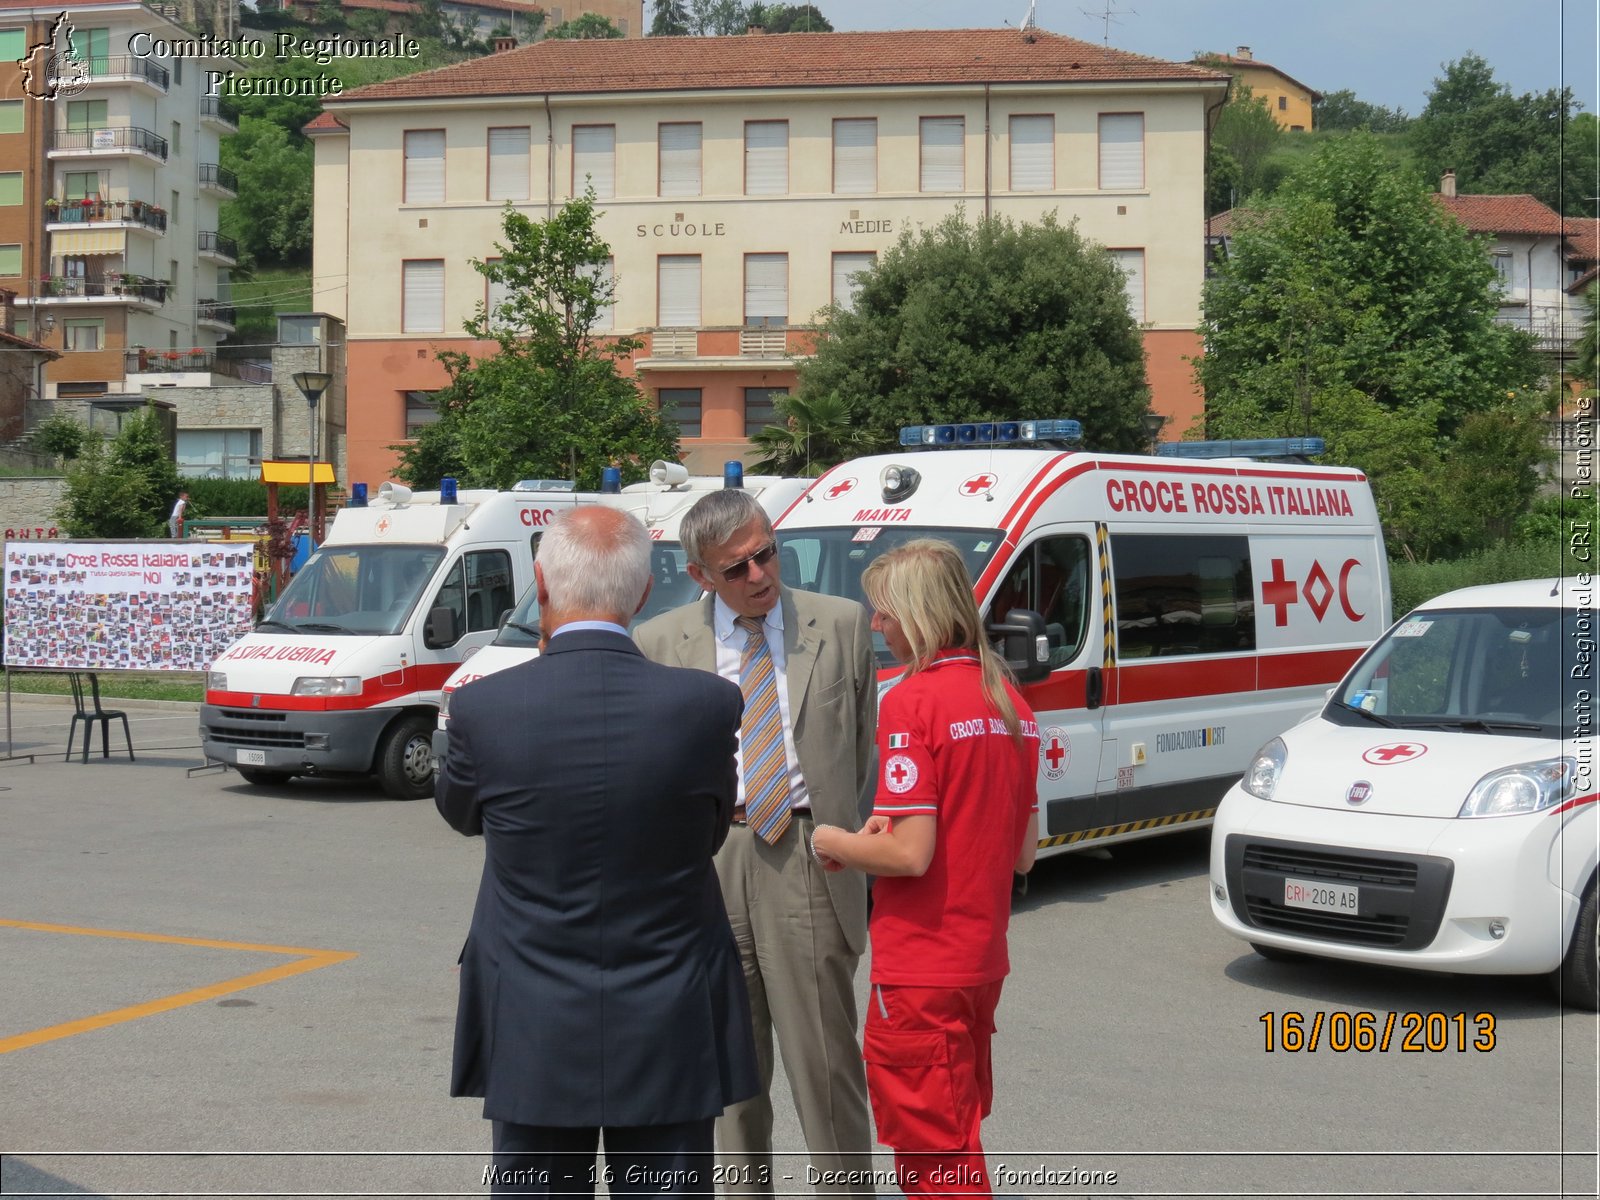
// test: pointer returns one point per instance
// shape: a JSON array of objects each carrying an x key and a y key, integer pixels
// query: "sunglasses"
[{"x": 734, "y": 572}]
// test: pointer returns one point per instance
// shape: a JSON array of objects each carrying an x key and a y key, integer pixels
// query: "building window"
[
  {"x": 219, "y": 453},
  {"x": 1033, "y": 153},
  {"x": 177, "y": 72},
  {"x": 422, "y": 298},
  {"x": 1283, "y": 104},
  {"x": 681, "y": 405},
  {"x": 175, "y": 203},
  {"x": 177, "y": 138},
  {"x": 422, "y": 409},
  {"x": 766, "y": 289},
  {"x": 678, "y": 291},
  {"x": 1502, "y": 268},
  {"x": 80, "y": 185},
  {"x": 86, "y": 114},
  {"x": 508, "y": 163},
  {"x": 847, "y": 269},
  {"x": 92, "y": 46},
  {"x": 760, "y": 408},
  {"x": 10, "y": 116},
  {"x": 594, "y": 160},
  {"x": 83, "y": 334},
  {"x": 12, "y": 45},
  {"x": 766, "y": 158},
  {"x": 83, "y": 391},
  {"x": 855, "y": 156},
  {"x": 680, "y": 158},
  {"x": 424, "y": 166},
  {"x": 1131, "y": 263},
  {"x": 11, "y": 259},
  {"x": 604, "y": 275},
  {"x": 1121, "y": 150},
  {"x": 10, "y": 188},
  {"x": 944, "y": 154}
]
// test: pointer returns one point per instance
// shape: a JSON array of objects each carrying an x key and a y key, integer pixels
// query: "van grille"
[
  {"x": 1401, "y": 897},
  {"x": 254, "y": 729}
]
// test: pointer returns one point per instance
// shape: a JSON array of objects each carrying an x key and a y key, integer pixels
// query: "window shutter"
[
  {"x": 1122, "y": 150},
  {"x": 508, "y": 164},
  {"x": 679, "y": 290},
  {"x": 680, "y": 158},
  {"x": 425, "y": 166},
  {"x": 766, "y": 289},
  {"x": 1132, "y": 264},
  {"x": 423, "y": 298},
  {"x": 855, "y": 156},
  {"x": 943, "y": 154},
  {"x": 766, "y": 158},
  {"x": 846, "y": 269},
  {"x": 1033, "y": 153},
  {"x": 594, "y": 158}
]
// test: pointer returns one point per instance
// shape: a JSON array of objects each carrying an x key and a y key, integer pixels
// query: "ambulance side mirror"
[
  {"x": 441, "y": 628},
  {"x": 1023, "y": 644}
]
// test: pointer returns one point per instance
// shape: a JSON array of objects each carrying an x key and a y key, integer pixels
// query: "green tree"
[
  {"x": 977, "y": 322},
  {"x": 1341, "y": 111},
  {"x": 814, "y": 433},
  {"x": 1247, "y": 134},
  {"x": 1586, "y": 365},
  {"x": 710, "y": 18},
  {"x": 124, "y": 488},
  {"x": 1354, "y": 308},
  {"x": 59, "y": 435},
  {"x": 671, "y": 19},
  {"x": 271, "y": 216},
  {"x": 789, "y": 18},
  {"x": 586, "y": 25},
  {"x": 550, "y": 401}
]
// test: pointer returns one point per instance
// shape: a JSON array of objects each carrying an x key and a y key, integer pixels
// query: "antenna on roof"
[
  {"x": 1108, "y": 17},
  {"x": 1028, "y": 21}
]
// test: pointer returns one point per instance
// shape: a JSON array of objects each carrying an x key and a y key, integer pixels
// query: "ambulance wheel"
[
  {"x": 1578, "y": 978},
  {"x": 261, "y": 777},
  {"x": 1276, "y": 954},
  {"x": 405, "y": 760}
]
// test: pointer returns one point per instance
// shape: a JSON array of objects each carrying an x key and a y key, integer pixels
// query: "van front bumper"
[{"x": 307, "y": 743}]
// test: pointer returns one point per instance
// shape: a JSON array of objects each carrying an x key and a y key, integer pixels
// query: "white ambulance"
[
  {"x": 343, "y": 677},
  {"x": 1166, "y": 615},
  {"x": 660, "y": 504}
]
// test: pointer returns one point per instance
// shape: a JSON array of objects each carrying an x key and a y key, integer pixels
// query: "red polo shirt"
[{"x": 944, "y": 752}]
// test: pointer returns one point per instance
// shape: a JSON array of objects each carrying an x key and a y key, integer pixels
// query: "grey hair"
[
  {"x": 595, "y": 560},
  {"x": 715, "y": 518}
]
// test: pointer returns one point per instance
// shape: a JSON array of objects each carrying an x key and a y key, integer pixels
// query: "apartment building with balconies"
[
  {"x": 110, "y": 182},
  {"x": 742, "y": 183}
]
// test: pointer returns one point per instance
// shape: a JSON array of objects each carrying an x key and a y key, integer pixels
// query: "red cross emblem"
[
  {"x": 1393, "y": 752},
  {"x": 382, "y": 525},
  {"x": 979, "y": 483},
  {"x": 1279, "y": 592},
  {"x": 1055, "y": 752},
  {"x": 898, "y": 773},
  {"x": 1055, "y": 748},
  {"x": 840, "y": 488}
]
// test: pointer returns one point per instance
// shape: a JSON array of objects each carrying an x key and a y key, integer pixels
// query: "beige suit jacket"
[{"x": 833, "y": 707}]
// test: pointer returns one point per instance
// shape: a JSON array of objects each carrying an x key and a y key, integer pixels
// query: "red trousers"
[{"x": 932, "y": 1082}]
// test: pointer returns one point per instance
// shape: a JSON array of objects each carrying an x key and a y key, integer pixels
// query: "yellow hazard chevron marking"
[
  {"x": 1085, "y": 835},
  {"x": 309, "y": 960},
  {"x": 1108, "y": 651}
]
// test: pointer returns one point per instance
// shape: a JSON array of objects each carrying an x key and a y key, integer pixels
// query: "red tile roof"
[
  {"x": 325, "y": 123},
  {"x": 1503, "y": 214},
  {"x": 1228, "y": 60},
  {"x": 1583, "y": 239},
  {"x": 881, "y": 59}
]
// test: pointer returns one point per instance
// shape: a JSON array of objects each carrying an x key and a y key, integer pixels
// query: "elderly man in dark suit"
[
  {"x": 600, "y": 983},
  {"x": 804, "y": 662}
]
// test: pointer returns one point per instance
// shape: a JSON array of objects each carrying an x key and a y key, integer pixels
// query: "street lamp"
[
  {"x": 1153, "y": 421},
  {"x": 312, "y": 384}
]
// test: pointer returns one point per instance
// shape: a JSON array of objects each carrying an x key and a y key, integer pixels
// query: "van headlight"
[
  {"x": 327, "y": 685},
  {"x": 1524, "y": 788},
  {"x": 1265, "y": 769},
  {"x": 216, "y": 681}
]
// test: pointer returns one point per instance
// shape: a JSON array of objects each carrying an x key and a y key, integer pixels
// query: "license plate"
[
  {"x": 1323, "y": 897},
  {"x": 251, "y": 758}
]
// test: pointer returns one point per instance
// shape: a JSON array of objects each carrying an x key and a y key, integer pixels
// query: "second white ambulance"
[{"x": 1191, "y": 608}]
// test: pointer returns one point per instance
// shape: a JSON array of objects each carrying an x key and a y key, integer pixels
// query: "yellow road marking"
[{"x": 310, "y": 960}]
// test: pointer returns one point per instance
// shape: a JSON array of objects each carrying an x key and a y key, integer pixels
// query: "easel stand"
[{"x": 9, "y": 756}]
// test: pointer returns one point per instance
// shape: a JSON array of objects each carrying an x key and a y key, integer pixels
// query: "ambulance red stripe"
[{"x": 423, "y": 677}]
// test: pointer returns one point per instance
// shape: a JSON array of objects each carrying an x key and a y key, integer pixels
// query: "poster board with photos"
[{"x": 125, "y": 606}]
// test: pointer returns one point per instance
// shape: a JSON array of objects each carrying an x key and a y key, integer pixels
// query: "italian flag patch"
[{"x": 899, "y": 741}]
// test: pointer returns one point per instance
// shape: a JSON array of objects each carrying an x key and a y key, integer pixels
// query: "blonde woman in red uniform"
[{"x": 955, "y": 814}]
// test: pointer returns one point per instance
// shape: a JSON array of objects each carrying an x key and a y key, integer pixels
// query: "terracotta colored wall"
[
  {"x": 1173, "y": 391},
  {"x": 378, "y": 375}
]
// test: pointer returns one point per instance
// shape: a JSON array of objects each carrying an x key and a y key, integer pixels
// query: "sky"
[{"x": 1388, "y": 52}]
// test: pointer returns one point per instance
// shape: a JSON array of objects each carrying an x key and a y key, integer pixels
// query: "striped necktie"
[{"x": 766, "y": 770}]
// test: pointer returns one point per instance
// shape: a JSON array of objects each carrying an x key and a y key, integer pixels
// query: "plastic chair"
[{"x": 91, "y": 712}]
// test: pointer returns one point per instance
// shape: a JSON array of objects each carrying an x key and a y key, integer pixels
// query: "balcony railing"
[
  {"x": 213, "y": 175},
  {"x": 96, "y": 212},
  {"x": 117, "y": 139},
  {"x": 218, "y": 245},
  {"x": 211, "y": 110},
  {"x": 210, "y": 310},
  {"x": 134, "y": 287},
  {"x": 767, "y": 341},
  {"x": 121, "y": 66},
  {"x": 674, "y": 343}
]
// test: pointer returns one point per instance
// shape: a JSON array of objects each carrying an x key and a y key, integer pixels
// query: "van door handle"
[{"x": 1094, "y": 689}]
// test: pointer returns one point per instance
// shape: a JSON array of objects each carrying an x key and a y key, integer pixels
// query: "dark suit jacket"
[
  {"x": 833, "y": 705},
  {"x": 600, "y": 984}
]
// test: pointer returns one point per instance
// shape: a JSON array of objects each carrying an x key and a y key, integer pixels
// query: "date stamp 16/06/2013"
[{"x": 1368, "y": 1032}]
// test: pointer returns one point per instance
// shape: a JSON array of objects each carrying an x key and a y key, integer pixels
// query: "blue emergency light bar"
[
  {"x": 610, "y": 480},
  {"x": 447, "y": 490},
  {"x": 733, "y": 474},
  {"x": 1295, "y": 447},
  {"x": 358, "y": 496},
  {"x": 544, "y": 485},
  {"x": 990, "y": 433}
]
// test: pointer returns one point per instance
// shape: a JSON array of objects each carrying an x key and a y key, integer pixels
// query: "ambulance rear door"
[{"x": 1054, "y": 573}]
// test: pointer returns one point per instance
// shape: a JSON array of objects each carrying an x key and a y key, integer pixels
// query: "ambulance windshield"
[
  {"x": 672, "y": 588},
  {"x": 831, "y": 560},
  {"x": 355, "y": 589}
]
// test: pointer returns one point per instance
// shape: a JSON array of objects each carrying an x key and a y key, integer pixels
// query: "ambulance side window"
[
  {"x": 1182, "y": 595},
  {"x": 488, "y": 588},
  {"x": 1051, "y": 578}
]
